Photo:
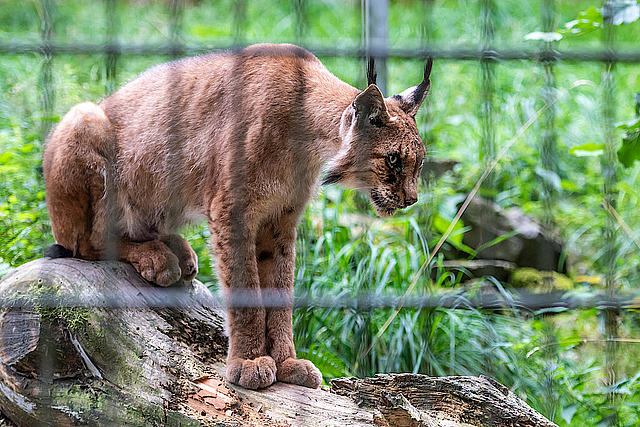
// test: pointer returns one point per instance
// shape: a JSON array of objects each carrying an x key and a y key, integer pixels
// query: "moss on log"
[{"x": 86, "y": 342}]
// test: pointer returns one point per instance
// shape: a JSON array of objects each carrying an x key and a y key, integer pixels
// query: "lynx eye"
[{"x": 393, "y": 160}]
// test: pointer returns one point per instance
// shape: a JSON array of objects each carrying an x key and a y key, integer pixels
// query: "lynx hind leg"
[
  {"x": 74, "y": 166},
  {"x": 153, "y": 260},
  {"x": 187, "y": 258},
  {"x": 275, "y": 249},
  {"x": 233, "y": 240}
]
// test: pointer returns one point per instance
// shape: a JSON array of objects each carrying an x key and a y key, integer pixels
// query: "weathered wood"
[
  {"x": 451, "y": 401},
  {"x": 301, "y": 406},
  {"x": 397, "y": 411},
  {"x": 87, "y": 343},
  {"x": 94, "y": 363}
]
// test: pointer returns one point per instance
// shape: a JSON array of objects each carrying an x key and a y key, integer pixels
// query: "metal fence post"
[
  {"x": 239, "y": 22},
  {"x": 547, "y": 161},
  {"x": 300, "y": 11},
  {"x": 548, "y": 154},
  {"x": 609, "y": 165},
  {"x": 175, "y": 28},
  {"x": 46, "y": 84},
  {"x": 47, "y": 95},
  {"x": 111, "y": 46},
  {"x": 377, "y": 37},
  {"x": 487, "y": 66}
]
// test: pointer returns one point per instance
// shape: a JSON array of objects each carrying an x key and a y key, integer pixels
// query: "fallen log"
[
  {"x": 92, "y": 343},
  {"x": 420, "y": 400}
]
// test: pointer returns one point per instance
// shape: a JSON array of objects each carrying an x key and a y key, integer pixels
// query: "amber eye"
[{"x": 393, "y": 160}]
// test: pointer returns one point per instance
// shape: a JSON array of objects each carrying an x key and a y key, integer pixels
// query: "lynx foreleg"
[
  {"x": 275, "y": 249},
  {"x": 233, "y": 241}
]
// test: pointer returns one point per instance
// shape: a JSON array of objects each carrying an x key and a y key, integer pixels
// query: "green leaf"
[
  {"x": 579, "y": 26},
  {"x": 568, "y": 412},
  {"x": 328, "y": 363},
  {"x": 5, "y": 157},
  {"x": 550, "y": 176},
  {"x": 27, "y": 148},
  {"x": 569, "y": 185},
  {"x": 588, "y": 149},
  {"x": 630, "y": 150},
  {"x": 442, "y": 225},
  {"x": 588, "y": 20},
  {"x": 207, "y": 31},
  {"x": 497, "y": 240},
  {"x": 630, "y": 125},
  {"x": 591, "y": 14}
]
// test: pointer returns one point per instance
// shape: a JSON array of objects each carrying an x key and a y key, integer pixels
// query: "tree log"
[
  {"x": 420, "y": 400},
  {"x": 92, "y": 343}
]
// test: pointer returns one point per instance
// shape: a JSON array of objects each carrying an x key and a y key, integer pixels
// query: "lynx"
[{"x": 240, "y": 139}]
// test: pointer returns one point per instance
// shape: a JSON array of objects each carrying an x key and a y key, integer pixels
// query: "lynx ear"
[
  {"x": 411, "y": 99},
  {"x": 370, "y": 107}
]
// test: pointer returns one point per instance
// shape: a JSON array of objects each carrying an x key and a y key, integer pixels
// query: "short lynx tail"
[{"x": 58, "y": 251}]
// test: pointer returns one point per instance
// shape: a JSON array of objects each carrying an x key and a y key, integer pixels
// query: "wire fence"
[
  {"x": 374, "y": 44},
  {"x": 489, "y": 299}
]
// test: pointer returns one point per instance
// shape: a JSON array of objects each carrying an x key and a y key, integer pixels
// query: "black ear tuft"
[
  {"x": 372, "y": 76},
  {"x": 427, "y": 69},
  {"x": 412, "y": 98}
]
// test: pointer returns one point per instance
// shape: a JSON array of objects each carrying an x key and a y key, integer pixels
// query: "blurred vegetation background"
[{"x": 577, "y": 367}]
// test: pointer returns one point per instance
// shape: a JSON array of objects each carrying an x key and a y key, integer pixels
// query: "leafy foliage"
[
  {"x": 630, "y": 149},
  {"x": 23, "y": 219},
  {"x": 616, "y": 12}
]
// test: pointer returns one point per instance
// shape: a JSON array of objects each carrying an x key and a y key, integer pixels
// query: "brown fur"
[{"x": 239, "y": 139}]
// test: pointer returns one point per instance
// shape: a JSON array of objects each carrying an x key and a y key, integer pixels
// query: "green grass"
[{"x": 343, "y": 250}]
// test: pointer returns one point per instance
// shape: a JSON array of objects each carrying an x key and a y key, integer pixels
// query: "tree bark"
[
  {"x": 92, "y": 343},
  {"x": 420, "y": 400}
]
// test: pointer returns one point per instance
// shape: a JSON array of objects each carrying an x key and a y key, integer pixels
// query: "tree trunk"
[{"x": 92, "y": 343}]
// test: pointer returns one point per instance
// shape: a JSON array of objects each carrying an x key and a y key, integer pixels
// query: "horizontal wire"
[
  {"x": 183, "y": 298},
  {"x": 458, "y": 53}
]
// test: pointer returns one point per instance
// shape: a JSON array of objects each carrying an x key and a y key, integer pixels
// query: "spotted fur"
[{"x": 239, "y": 139}]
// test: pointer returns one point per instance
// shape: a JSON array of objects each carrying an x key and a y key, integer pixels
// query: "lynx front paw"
[
  {"x": 156, "y": 263},
  {"x": 187, "y": 258},
  {"x": 299, "y": 371},
  {"x": 252, "y": 374}
]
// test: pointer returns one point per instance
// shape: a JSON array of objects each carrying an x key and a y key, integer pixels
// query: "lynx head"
[{"x": 382, "y": 152}]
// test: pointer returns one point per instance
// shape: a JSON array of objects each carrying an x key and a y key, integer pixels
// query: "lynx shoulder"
[{"x": 240, "y": 139}]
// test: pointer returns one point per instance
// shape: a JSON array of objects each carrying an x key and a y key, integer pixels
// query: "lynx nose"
[
  {"x": 410, "y": 193},
  {"x": 408, "y": 201}
]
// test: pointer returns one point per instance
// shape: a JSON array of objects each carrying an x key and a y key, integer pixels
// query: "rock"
[
  {"x": 529, "y": 246},
  {"x": 437, "y": 167},
  {"x": 499, "y": 269}
]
